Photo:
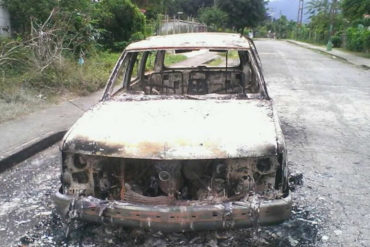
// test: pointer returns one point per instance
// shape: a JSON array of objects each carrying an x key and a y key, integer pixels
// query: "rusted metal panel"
[
  {"x": 176, "y": 129},
  {"x": 178, "y": 218},
  {"x": 185, "y": 159},
  {"x": 192, "y": 41}
]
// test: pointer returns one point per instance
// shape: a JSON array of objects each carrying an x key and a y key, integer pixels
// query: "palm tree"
[{"x": 315, "y": 7}]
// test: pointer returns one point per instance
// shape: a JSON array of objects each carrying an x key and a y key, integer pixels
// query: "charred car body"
[{"x": 187, "y": 146}]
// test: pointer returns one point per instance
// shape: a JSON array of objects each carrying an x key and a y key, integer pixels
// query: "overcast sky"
[{"x": 289, "y": 8}]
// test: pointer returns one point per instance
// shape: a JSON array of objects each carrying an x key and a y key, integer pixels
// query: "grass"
[
  {"x": 171, "y": 59},
  {"x": 232, "y": 56},
  {"x": 216, "y": 62},
  {"x": 360, "y": 54},
  {"x": 92, "y": 75},
  {"x": 25, "y": 90},
  {"x": 23, "y": 102}
]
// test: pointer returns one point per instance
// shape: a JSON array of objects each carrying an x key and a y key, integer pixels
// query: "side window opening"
[
  {"x": 136, "y": 66},
  {"x": 136, "y": 70},
  {"x": 149, "y": 63},
  {"x": 119, "y": 80},
  {"x": 251, "y": 81},
  {"x": 254, "y": 85}
]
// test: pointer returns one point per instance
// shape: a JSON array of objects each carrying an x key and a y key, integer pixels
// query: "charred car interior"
[
  {"x": 140, "y": 75},
  {"x": 192, "y": 145}
]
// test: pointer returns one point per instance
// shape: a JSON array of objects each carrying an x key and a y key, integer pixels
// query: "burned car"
[{"x": 184, "y": 138}]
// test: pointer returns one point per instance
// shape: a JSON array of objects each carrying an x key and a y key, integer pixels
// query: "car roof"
[{"x": 185, "y": 41}]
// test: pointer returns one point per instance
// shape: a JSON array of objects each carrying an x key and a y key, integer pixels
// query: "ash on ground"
[{"x": 300, "y": 230}]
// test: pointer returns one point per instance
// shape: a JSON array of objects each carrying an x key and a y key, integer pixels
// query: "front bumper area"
[{"x": 176, "y": 218}]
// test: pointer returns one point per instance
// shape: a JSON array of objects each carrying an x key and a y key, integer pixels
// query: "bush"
[
  {"x": 358, "y": 39},
  {"x": 118, "y": 20},
  {"x": 213, "y": 17},
  {"x": 137, "y": 36},
  {"x": 261, "y": 32},
  {"x": 68, "y": 75},
  {"x": 64, "y": 75},
  {"x": 366, "y": 40},
  {"x": 13, "y": 53},
  {"x": 336, "y": 40}
]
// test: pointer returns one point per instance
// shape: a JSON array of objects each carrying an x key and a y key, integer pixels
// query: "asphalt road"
[{"x": 324, "y": 107}]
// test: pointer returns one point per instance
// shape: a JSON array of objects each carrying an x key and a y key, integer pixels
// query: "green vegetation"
[
  {"x": 62, "y": 47},
  {"x": 232, "y": 54},
  {"x": 233, "y": 15},
  {"x": 345, "y": 23},
  {"x": 360, "y": 54},
  {"x": 24, "y": 88},
  {"x": 216, "y": 62},
  {"x": 171, "y": 59},
  {"x": 68, "y": 47},
  {"x": 213, "y": 17},
  {"x": 120, "y": 22},
  {"x": 29, "y": 90},
  {"x": 243, "y": 13},
  {"x": 355, "y": 9}
]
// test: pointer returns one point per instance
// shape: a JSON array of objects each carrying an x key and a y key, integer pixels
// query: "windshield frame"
[{"x": 252, "y": 56}]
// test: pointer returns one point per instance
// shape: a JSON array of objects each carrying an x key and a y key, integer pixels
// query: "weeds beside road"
[{"x": 24, "y": 88}]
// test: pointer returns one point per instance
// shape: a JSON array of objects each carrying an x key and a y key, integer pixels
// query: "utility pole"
[
  {"x": 300, "y": 15},
  {"x": 332, "y": 13},
  {"x": 300, "y": 12}
]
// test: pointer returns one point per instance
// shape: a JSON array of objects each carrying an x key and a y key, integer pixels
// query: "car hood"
[{"x": 175, "y": 129}]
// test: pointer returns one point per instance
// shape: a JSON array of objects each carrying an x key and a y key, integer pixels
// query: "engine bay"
[{"x": 171, "y": 182}]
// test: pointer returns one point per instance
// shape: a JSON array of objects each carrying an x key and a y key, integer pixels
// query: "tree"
[
  {"x": 75, "y": 15},
  {"x": 192, "y": 7},
  {"x": 22, "y": 11},
  {"x": 315, "y": 7},
  {"x": 282, "y": 27},
  {"x": 118, "y": 21},
  {"x": 355, "y": 9},
  {"x": 325, "y": 19},
  {"x": 243, "y": 13},
  {"x": 152, "y": 7},
  {"x": 213, "y": 17}
]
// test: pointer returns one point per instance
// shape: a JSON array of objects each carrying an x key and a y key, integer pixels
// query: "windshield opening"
[
  {"x": 187, "y": 72},
  {"x": 204, "y": 57}
]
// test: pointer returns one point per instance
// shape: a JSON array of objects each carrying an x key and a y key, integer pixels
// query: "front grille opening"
[{"x": 153, "y": 182}]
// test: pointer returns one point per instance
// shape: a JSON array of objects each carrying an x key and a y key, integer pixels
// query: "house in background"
[{"x": 4, "y": 22}]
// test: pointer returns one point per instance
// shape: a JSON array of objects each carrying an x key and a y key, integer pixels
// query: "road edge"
[
  {"x": 327, "y": 53},
  {"x": 25, "y": 151}
]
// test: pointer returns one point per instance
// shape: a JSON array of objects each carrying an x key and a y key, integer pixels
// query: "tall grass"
[{"x": 24, "y": 88}]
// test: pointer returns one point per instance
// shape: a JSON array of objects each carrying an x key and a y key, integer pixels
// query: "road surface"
[{"x": 324, "y": 107}]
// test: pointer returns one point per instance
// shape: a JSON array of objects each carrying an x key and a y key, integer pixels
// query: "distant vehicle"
[{"x": 181, "y": 146}]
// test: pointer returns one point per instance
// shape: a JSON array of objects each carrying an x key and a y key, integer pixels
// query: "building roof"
[{"x": 192, "y": 41}]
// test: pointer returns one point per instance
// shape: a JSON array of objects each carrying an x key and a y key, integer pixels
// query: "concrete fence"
[
  {"x": 4, "y": 21},
  {"x": 172, "y": 26}
]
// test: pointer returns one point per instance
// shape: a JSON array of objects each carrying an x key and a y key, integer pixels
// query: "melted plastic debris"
[{"x": 295, "y": 179}]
